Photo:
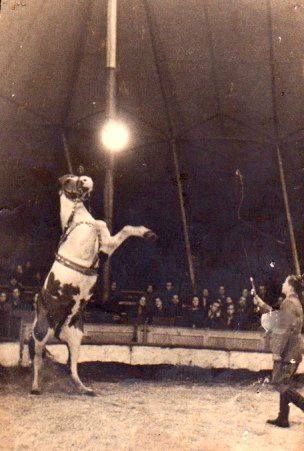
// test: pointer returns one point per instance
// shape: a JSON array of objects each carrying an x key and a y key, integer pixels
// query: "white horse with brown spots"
[{"x": 72, "y": 277}]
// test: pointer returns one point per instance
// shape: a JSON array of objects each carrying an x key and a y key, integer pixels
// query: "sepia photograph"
[{"x": 151, "y": 225}]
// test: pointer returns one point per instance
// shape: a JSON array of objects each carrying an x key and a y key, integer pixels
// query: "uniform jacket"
[{"x": 287, "y": 342}]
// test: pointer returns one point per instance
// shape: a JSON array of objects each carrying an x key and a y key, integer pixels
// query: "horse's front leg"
[
  {"x": 111, "y": 242},
  {"x": 140, "y": 231},
  {"x": 73, "y": 336}
]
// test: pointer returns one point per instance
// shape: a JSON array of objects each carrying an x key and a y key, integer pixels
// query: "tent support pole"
[
  {"x": 108, "y": 194},
  {"x": 275, "y": 116},
  {"x": 67, "y": 152},
  {"x": 172, "y": 135},
  {"x": 183, "y": 214},
  {"x": 288, "y": 213}
]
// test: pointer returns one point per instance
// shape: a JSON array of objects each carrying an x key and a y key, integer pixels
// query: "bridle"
[{"x": 77, "y": 198}]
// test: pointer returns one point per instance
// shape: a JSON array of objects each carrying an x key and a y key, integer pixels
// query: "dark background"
[{"x": 212, "y": 61}]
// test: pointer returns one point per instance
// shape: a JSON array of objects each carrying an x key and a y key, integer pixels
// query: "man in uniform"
[{"x": 285, "y": 326}]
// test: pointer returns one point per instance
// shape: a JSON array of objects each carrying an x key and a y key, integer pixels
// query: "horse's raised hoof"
[
  {"x": 35, "y": 391},
  {"x": 151, "y": 236}
]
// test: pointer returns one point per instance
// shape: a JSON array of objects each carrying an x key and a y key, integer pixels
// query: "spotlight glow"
[{"x": 114, "y": 135}]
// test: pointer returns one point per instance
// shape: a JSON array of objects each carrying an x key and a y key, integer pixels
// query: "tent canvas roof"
[{"x": 211, "y": 59}]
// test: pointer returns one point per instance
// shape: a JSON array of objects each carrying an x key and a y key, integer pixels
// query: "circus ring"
[
  {"x": 180, "y": 388},
  {"x": 155, "y": 345}
]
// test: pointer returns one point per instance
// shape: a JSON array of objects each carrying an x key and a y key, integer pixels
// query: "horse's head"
[{"x": 76, "y": 187}]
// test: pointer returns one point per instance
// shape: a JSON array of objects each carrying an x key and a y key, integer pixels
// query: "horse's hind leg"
[
  {"x": 72, "y": 336},
  {"x": 37, "y": 348}
]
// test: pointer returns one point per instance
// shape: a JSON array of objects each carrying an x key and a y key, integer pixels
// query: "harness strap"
[
  {"x": 90, "y": 224},
  {"x": 68, "y": 229},
  {"x": 65, "y": 231},
  {"x": 73, "y": 227},
  {"x": 79, "y": 268}
]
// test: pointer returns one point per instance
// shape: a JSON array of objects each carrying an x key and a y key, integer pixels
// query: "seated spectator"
[
  {"x": 28, "y": 273},
  {"x": 229, "y": 301},
  {"x": 229, "y": 320},
  {"x": 19, "y": 274},
  {"x": 5, "y": 315},
  {"x": 150, "y": 294},
  {"x": 205, "y": 300},
  {"x": 225, "y": 306},
  {"x": 196, "y": 313},
  {"x": 214, "y": 318},
  {"x": 167, "y": 293},
  {"x": 143, "y": 313},
  {"x": 221, "y": 297},
  {"x": 245, "y": 293},
  {"x": 15, "y": 299},
  {"x": 13, "y": 283},
  {"x": 255, "y": 318},
  {"x": 150, "y": 288},
  {"x": 37, "y": 279},
  {"x": 142, "y": 316},
  {"x": 242, "y": 315},
  {"x": 222, "y": 292},
  {"x": 158, "y": 310},
  {"x": 175, "y": 306},
  {"x": 115, "y": 296}
]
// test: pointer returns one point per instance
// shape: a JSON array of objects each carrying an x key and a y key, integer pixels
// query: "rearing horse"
[{"x": 72, "y": 277}]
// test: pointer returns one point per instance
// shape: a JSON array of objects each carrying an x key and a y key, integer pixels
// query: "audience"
[
  {"x": 13, "y": 283},
  {"x": 15, "y": 299},
  {"x": 150, "y": 293},
  {"x": 245, "y": 293},
  {"x": 153, "y": 306},
  {"x": 167, "y": 293},
  {"x": 205, "y": 301},
  {"x": 196, "y": 313},
  {"x": 228, "y": 302},
  {"x": 28, "y": 274},
  {"x": 214, "y": 319},
  {"x": 114, "y": 297},
  {"x": 221, "y": 295},
  {"x": 174, "y": 307},
  {"x": 158, "y": 310},
  {"x": 5, "y": 315},
  {"x": 143, "y": 312},
  {"x": 229, "y": 320},
  {"x": 242, "y": 314},
  {"x": 37, "y": 279},
  {"x": 142, "y": 316},
  {"x": 19, "y": 274},
  {"x": 255, "y": 318}
]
